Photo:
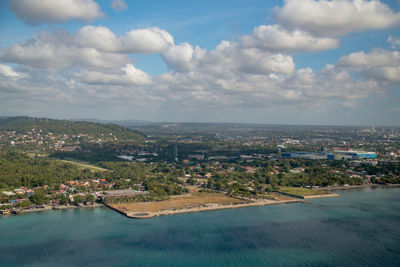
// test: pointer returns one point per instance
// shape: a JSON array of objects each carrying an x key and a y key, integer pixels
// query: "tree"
[
  {"x": 191, "y": 181},
  {"x": 39, "y": 198},
  {"x": 64, "y": 199},
  {"x": 269, "y": 188},
  {"x": 78, "y": 199},
  {"x": 90, "y": 198}
]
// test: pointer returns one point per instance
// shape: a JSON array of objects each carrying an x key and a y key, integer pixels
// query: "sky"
[{"x": 323, "y": 62}]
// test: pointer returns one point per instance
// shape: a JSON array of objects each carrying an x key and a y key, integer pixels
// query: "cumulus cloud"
[
  {"x": 90, "y": 46},
  {"x": 183, "y": 57},
  {"x": 100, "y": 38},
  {"x": 119, "y": 5},
  {"x": 7, "y": 71},
  {"x": 379, "y": 64},
  {"x": 256, "y": 71},
  {"x": 58, "y": 50},
  {"x": 277, "y": 38},
  {"x": 259, "y": 62},
  {"x": 302, "y": 88},
  {"x": 35, "y": 12},
  {"x": 146, "y": 41},
  {"x": 209, "y": 83},
  {"x": 127, "y": 75},
  {"x": 336, "y": 17},
  {"x": 264, "y": 51},
  {"x": 227, "y": 58}
]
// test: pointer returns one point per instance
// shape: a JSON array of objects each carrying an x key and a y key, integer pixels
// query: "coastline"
[
  {"x": 213, "y": 206},
  {"x": 310, "y": 196},
  {"x": 355, "y": 187},
  {"x": 49, "y": 208}
]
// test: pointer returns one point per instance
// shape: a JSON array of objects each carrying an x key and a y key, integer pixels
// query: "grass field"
[
  {"x": 299, "y": 191},
  {"x": 37, "y": 154},
  {"x": 84, "y": 165}
]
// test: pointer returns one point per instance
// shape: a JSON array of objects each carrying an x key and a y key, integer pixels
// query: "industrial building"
[
  {"x": 337, "y": 154},
  {"x": 343, "y": 154}
]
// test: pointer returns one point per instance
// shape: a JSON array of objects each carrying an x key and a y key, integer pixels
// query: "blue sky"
[{"x": 294, "y": 61}]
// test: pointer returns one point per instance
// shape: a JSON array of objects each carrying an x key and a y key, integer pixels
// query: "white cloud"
[
  {"x": 119, "y": 5},
  {"x": 380, "y": 64},
  {"x": 144, "y": 41},
  {"x": 90, "y": 46},
  {"x": 276, "y": 38},
  {"x": 127, "y": 75},
  {"x": 395, "y": 42},
  {"x": 256, "y": 71},
  {"x": 57, "y": 50},
  {"x": 209, "y": 83},
  {"x": 100, "y": 38},
  {"x": 257, "y": 61},
  {"x": 228, "y": 58},
  {"x": 336, "y": 17},
  {"x": 35, "y": 12},
  {"x": 7, "y": 71},
  {"x": 262, "y": 52},
  {"x": 183, "y": 57},
  {"x": 151, "y": 40}
]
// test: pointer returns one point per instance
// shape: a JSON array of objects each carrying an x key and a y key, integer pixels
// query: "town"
[{"x": 85, "y": 164}]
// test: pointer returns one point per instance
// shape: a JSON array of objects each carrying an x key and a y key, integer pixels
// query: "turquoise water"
[{"x": 359, "y": 228}]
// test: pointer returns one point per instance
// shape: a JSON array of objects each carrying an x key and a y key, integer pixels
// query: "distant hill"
[
  {"x": 125, "y": 123},
  {"x": 26, "y": 124}
]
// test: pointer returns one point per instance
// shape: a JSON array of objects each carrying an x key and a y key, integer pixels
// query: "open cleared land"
[
  {"x": 195, "y": 202},
  {"x": 178, "y": 202}
]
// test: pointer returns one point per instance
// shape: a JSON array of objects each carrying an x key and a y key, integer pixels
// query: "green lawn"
[
  {"x": 299, "y": 191},
  {"x": 85, "y": 165}
]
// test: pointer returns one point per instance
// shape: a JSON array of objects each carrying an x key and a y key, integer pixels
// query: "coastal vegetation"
[{"x": 299, "y": 191}]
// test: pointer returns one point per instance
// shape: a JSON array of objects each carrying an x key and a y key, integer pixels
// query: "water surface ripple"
[{"x": 359, "y": 228}]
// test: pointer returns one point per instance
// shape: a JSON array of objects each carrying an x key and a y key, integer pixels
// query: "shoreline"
[
  {"x": 211, "y": 207},
  {"x": 355, "y": 187},
  {"x": 50, "y": 208},
  {"x": 309, "y": 196}
]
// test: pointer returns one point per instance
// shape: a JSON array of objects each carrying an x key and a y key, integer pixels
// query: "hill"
[{"x": 23, "y": 125}]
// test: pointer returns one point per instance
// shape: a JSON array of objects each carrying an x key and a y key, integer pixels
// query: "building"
[
  {"x": 336, "y": 154},
  {"x": 309, "y": 155},
  {"x": 343, "y": 154}
]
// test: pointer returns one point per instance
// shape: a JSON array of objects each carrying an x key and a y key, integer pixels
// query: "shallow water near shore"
[{"x": 359, "y": 228}]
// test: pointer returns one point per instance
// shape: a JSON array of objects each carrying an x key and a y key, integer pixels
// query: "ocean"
[{"x": 359, "y": 228}]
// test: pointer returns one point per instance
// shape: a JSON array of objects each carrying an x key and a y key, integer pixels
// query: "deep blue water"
[{"x": 359, "y": 228}]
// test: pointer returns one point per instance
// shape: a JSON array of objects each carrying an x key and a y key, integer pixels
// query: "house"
[
  {"x": 208, "y": 175},
  {"x": 30, "y": 192},
  {"x": 19, "y": 191}
]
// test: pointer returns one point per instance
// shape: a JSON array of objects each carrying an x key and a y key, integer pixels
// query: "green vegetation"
[
  {"x": 39, "y": 198},
  {"x": 56, "y": 161},
  {"x": 300, "y": 191},
  {"x": 84, "y": 165},
  {"x": 93, "y": 155},
  {"x": 61, "y": 127},
  {"x": 18, "y": 170}
]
